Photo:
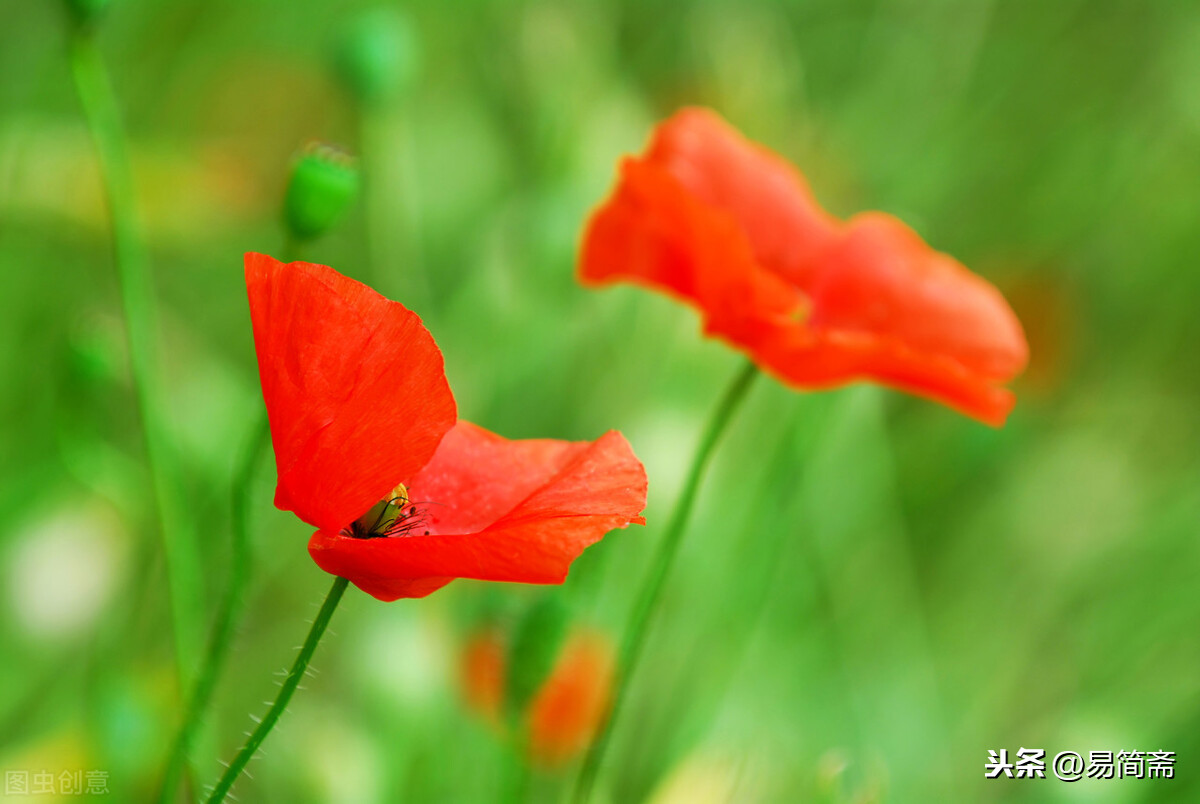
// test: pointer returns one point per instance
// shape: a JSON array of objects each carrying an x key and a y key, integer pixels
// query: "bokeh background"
[{"x": 875, "y": 590}]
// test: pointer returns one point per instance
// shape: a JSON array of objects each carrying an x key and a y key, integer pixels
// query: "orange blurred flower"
[
  {"x": 483, "y": 674},
  {"x": 568, "y": 707},
  {"x": 574, "y": 701}
]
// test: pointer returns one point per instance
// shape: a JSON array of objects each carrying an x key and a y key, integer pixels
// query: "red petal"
[
  {"x": 354, "y": 386},
  {"x": 717, "y": 221},
  {"x": 652, "y": 231},
  {"x": 881, "y": 278},
  {"x": 499, "y": 510},
  {"x": 769, "y": 199}
]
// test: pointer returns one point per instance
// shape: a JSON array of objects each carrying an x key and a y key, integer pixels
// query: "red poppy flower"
[
  {"x": 404, "y": 498},
  {"x": 732, "y": 229}
]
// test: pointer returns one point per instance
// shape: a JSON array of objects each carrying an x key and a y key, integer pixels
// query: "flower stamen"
[{"x": 397, "y": 515}]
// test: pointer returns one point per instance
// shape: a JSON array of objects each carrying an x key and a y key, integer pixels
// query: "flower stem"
[
  {"x": 290, "y": 682},
  {"x": 648, "y": 598},
  {"x": 100, "y": 110},
  {"x": 228, "y": 615}
]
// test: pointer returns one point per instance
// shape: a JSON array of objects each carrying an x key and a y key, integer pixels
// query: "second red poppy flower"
[{"x": 731, "y": 228}]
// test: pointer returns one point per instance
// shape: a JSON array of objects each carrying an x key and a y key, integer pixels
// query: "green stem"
[
  {"x": 290, "y": 682},
  {"x": 137, "y": 300},
  {"x": 227, "y": 617},
  {"x": 690, "y": 713},
  {"x": 648, "y": 598}
]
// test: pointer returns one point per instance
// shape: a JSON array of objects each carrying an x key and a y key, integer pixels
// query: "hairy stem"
[{"x": 286, "y": 690}]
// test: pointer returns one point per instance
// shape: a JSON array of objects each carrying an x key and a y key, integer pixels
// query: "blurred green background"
[{"x": 875, "y": 590}]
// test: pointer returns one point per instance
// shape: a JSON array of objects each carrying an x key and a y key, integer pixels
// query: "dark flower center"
[{"x": 395, "y": 516}]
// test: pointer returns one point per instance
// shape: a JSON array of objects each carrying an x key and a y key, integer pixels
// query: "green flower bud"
[
  {"x": 323, "y": 184},
  {"x": 86, "y": 12},
  {"x": 535, "y": 647},
  {"x": 378, "y": 55}
]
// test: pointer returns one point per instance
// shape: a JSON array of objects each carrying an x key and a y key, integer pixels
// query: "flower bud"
[
  {"x": 323, "y": 184},
  {"x": 378, "y": 55},
  {"x": 535, "y": 646}
]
